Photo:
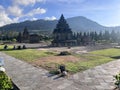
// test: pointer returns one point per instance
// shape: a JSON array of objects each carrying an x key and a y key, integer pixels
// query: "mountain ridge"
[{"x": 77, "y": 24}]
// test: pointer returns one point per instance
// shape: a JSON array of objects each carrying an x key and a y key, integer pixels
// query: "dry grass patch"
[{"x": 54, "y": 61}]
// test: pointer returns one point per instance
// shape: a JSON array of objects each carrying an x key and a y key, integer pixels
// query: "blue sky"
[{"x": 105, "y": 12}]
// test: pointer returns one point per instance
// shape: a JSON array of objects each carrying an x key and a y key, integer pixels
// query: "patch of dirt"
[{"x": 56, "y": 59}]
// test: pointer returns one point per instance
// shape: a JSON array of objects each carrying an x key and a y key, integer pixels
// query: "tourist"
[{"x": 62, "y": 70}]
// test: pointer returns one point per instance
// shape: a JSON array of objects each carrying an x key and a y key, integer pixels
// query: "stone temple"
[{"x": 62, "y": 34}]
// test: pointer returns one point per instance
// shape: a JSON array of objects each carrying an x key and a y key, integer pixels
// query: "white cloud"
[
  {"x": 50, "y": 18},
  {"x": 37, "y": 11},
  {"x": 71, "y": 1},
  {"x": 26, "y": 2},
  {"x": 66, "y": 1},
  {"x": 4, "y": 18},
  {"x": 1, "y": 8},
  {"x": 34, "y": 19},
  {"x": 15, "y": 10}
]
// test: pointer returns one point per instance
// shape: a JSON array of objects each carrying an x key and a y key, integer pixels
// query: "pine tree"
[
  {"x": 25, "y": 33},
  {"x": 113, "y": 36},
  {"x": 19, "y": 37}
]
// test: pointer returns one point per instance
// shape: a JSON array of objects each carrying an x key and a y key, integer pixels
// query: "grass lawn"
[
  {"x": 89, "y": 61},
  {"x": 28, "y": 55},
  {"x": 74, "y": 63},
  {"x": 113, "y": 52}
]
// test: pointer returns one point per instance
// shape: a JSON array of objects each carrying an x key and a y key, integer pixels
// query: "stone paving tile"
[{"x": 28, "y": 77}]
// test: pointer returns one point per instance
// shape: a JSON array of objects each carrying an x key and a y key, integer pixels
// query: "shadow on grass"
[
  {"x": 6, "y": 49},
  {"x": 116, "y": 57},
  {"x": 10, "y": 49}
]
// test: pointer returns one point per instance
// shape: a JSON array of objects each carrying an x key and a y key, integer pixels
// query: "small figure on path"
[
  {"x": 19, "y": 47},
  {"x": 24, "y": 47},
  {"x": 63, "y": 70},
  {"x": 5, "y": 47}
]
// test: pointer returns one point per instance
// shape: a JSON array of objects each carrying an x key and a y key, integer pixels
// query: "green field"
[
  {"x": 85, "y": 61},
  {"x": 113, "y": 52}
]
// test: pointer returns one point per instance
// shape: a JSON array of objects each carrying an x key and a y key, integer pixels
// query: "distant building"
[
  {"x": 26, "y": 37},
  {"x": 62, "y": 34},
  {"x": 34, "y": 38}
]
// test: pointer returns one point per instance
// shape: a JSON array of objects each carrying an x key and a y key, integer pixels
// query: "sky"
[{"x": 104, "y": 12}]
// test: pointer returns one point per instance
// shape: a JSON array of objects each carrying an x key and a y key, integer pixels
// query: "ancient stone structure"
[
  {"x": 62, "y": 34},
  {"x": 26, "y": 37},
  {"x": 34, "y": 38}
]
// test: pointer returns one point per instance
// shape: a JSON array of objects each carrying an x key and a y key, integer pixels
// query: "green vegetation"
[
  {"x": 85, "y": 61},
  {"x": 2, "y": 47},
  {"x": 5, "y": 82},
  {"x": 117, "y": 80},
  {"x": 113, "y": 52},
  {"x": 29, "y": 55},
  {"x": 89, "y": 61}
]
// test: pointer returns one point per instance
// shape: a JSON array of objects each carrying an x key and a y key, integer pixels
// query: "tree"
[
  {"x": 100, "y": 36},
  {"x": 113, "y": 36},
  {"x": 106, "y": 35},
  {"x": 19, "y": 37},
  {"x": 25, "y": 33}
]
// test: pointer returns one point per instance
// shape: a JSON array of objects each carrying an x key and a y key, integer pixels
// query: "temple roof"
[{"x": 62, "y": 26}]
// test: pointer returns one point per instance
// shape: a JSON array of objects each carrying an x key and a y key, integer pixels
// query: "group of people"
[{"x": 15, "y": 47}]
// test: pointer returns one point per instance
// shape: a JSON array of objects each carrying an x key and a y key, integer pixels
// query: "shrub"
[
  {"x": 64, "y": 53},
  {"x": 117, "y": 82},
  {"x": 5, "y": 82},
  {"x": 14, "y": 40}
]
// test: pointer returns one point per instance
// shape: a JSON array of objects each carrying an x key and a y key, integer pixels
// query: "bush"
[
  {"x": 64, "y": 53},
  {"x": 14, "y": 40},
  {"x": 5, "y": 82},
  {"x": 117, "y": 82}
]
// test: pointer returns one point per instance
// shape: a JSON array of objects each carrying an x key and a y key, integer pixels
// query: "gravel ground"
[{"x": 77, "y": 49}]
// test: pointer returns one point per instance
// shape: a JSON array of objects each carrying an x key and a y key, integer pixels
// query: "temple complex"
[{"x": 62, "y": 34}]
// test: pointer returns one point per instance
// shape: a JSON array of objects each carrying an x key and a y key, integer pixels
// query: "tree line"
[
  {"x": 100, "y": 37},
  {"x": 81, "y": 37}
]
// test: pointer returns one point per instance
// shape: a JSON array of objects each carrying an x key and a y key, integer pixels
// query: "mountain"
[{"x": 77, "y": 24}]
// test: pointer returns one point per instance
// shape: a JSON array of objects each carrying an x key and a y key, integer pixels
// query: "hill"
[{"x": 77, "y": 24}]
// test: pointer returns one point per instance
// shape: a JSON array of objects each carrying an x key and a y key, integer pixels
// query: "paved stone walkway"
[{"x": 27, "y": 77}]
